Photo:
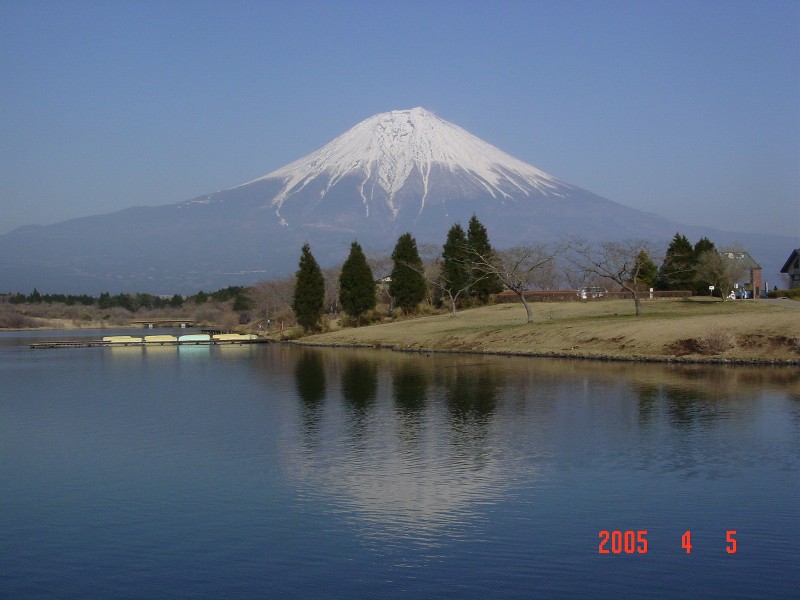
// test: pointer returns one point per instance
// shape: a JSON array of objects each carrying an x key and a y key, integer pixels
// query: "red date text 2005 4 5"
[{"x": 635, "y": 542}]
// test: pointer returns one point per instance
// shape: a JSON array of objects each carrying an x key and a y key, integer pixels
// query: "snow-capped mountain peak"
[
  {"x": 396, "y": 172},
  {"x": 401, "y": 149}
]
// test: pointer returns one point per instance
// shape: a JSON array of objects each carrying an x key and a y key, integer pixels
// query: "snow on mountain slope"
[
  {"x": 396, "y": 172},
  {"x": 386, "y": 151}
]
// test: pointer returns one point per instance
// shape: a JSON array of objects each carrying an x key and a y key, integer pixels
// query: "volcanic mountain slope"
[
  {"x": 398, "y": 171},
  {"x": 408, "y": 168},
  {"x": 412, "y": 171}
]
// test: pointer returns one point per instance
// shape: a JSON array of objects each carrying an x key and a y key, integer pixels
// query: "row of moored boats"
[{"x": 192, "y": 338}]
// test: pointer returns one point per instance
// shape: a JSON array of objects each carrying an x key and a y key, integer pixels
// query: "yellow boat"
[
  {"x": 156, "y": 339},
  {"x": 122, "y": 339}
]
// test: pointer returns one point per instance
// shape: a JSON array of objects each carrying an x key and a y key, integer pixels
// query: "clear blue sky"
[{"x": 687, "y": 109}]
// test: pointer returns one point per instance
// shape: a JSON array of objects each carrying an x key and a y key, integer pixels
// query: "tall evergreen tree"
[
  {"x": 408, "y": 283},
  {"x": 356, "y": 284},
  {"x": 703, "y": 245},
  {"x": 309, "y": 292},
  {"x": 483, "y": 284},
  {"x": 677, "y": 271},
  {"x": 455, "y": 261},
  {"x": 645, "y": 269}
]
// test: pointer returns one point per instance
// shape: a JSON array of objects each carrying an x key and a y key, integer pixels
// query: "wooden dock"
[{"x": 127, "y": 341}]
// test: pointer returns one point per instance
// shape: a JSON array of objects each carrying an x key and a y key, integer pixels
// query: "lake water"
[{"x": 283, "y": 472}]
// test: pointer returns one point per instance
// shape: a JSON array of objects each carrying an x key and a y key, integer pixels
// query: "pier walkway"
[{"x": 118, "y": 341}]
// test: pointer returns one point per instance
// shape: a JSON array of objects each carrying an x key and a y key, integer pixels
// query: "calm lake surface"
[{"x": 285, "y": 472}]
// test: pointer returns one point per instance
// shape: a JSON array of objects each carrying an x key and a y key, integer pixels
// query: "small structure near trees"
[
  {"x": 716, "y": 269},
  {"x": 743, "y": 265}
]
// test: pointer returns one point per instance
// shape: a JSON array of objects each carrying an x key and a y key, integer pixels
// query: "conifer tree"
[
  {"x": 356, "y": 284},
  {"x": 703, "y": 245},
  {"x": 677, "y": 271},
  {"x": 482, "y": 284},
  {"x": 408, "y": 283},
  {"x": 645, "y": 269},
  {"x": 309, "y": 292},
  {"x": 455, "y": 261}
]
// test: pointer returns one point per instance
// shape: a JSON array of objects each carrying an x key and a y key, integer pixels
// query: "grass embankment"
[{"x": 667, "y": 330}]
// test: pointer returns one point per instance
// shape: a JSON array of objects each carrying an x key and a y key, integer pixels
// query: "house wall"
[
  {"x": 794, "y": 277},
  {"x": 794, "y": 273},
  {"x": 755, "y": 280}
]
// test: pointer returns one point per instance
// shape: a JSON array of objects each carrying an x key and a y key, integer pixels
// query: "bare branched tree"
[
  {"x": 548, "y": 277},
  {"x": 617, "y": 261},
  {"x": 516, "y": 268},
  {"x": 429, "y": 252},
  {"x": 573, "y": 277},
  {"x": 431, "y": 259},
  {"x": 331, "y": 275},
  {"x": 272, "y": 298},
  {"x": 718, "y": 270},
  {"x": 380, "y": 264}
]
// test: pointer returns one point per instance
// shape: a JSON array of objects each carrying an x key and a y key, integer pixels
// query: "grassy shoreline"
[{"x": 668, "y": 331}]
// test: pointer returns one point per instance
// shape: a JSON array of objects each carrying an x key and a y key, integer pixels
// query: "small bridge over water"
[{"x": 153, "y": 323}]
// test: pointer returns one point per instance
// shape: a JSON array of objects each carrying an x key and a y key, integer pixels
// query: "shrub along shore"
[{"x": 669, "y": 330}]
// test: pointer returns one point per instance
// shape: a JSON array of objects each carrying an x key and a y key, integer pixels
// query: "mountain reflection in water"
[
  {"x": 416, "y": 457},
  {"x": 417, "y": 445},
  {"x": 285, "y": 471}
]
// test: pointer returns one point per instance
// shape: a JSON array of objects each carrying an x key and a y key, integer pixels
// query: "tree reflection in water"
[
  {"x": 359, "y": 391},
  {"x": 409, "y": 393},
  {"x": 471, "y": 393},
  {"x": 309, "y": 373},
  {"x": 414, "y": 448},
  {"x": 648, "y": 395}
]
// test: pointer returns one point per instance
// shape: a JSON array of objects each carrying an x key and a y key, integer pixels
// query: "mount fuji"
[{"x": 405, "y": 170}]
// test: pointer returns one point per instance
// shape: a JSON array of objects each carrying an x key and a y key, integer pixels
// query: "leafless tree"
[
  {"x": 380, "y": 264},
  {"x": 331, "y": 276},
  {"x": 718, "y": 270},
  {"x": 429, "y": 252},
  {"x": 617, "y": 261},
  {"x": 548, "y": 277},
  {"x": 574, "y": 278},
  {"x": 516, "y": 268},
  {"x": 453, "y": 292},
  {"x": 431, "y": 273},
  {"x": 272, "y": 298}
]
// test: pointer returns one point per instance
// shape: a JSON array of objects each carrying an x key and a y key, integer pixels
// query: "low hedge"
[{"x": 794, "y": 294}]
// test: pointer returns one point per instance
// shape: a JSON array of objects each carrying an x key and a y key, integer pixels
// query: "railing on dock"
[{"x": 153, "y": 323}]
